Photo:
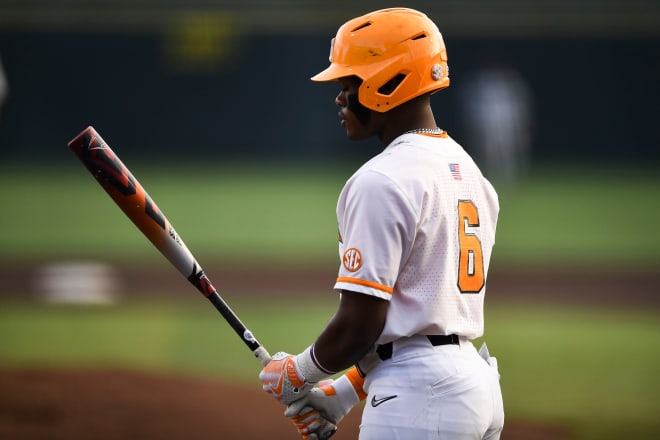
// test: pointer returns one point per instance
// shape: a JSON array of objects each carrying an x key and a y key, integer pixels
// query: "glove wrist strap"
[
  {"x": 346, "y": 393},
  {"x": 309, "y": 368}
]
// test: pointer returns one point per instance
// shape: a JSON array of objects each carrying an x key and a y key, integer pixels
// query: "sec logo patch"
[{"x": 352, "y": 259}]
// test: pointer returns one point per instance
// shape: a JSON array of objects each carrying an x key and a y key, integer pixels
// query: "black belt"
[{"x": 385, "y": 351}]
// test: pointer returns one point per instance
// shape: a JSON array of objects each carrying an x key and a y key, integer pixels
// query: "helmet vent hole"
[
  {"x": 362, "y": 26},
  {"x": 419, "y": 37},
  {"x": 389, "y": 87}
]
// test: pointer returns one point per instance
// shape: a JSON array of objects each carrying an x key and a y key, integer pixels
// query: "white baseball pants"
[{"x": 426, "y": 392}]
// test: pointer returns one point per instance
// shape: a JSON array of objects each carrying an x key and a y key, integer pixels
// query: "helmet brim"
[{"x": 333, "y": 73}]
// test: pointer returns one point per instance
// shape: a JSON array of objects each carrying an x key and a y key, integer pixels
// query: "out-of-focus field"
[
  {"x": 591, "y": 370},
  {"x": 282, "y": 212},
  {"x": 588, "y": 367}
]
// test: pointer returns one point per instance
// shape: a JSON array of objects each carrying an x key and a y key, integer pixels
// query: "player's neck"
[{"x": 407, "y": 118}]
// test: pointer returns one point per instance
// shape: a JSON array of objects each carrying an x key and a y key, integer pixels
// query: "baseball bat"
[
  {"x": 115, "y": 178},
  {"x": 130, "y": 196}
]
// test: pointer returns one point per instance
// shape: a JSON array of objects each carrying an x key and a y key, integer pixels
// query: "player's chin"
[{"x": 356, "y": 131}]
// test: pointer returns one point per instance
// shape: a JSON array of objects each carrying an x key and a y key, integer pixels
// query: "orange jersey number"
[{"x": 471, "y": 277}]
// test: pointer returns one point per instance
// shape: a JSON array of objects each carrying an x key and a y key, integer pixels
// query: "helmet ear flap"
[{"x": 381, "y": 91}]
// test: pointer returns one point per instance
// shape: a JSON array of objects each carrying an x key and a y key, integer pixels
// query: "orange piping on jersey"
[
  {"x": 443, "y": 135},
  {"x": 378, "y": 286}
]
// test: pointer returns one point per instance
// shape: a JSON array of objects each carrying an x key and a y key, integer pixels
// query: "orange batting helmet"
[{"x": 396, "y": 44}]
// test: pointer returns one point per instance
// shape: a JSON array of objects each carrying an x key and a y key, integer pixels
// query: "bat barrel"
[{"x": 131, "y": 197}]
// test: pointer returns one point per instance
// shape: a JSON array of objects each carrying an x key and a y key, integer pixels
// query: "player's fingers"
[
  {"x": 308, "y": 422},
  {"x": 298, "y": 407},
  {"x": 307, "y": 416},
  {"x": 326, "y": 431}
]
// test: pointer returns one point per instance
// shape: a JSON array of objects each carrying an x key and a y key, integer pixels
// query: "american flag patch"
[{"x": 455, "y": 170}]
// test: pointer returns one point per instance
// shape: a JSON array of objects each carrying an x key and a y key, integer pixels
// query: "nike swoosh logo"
[
  {"x": 375, "y": 402},
  {"x": 277, "y": 389}
]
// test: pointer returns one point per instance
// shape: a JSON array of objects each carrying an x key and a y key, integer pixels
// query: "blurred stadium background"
[
  {"x": 231, "y": 77},
  {"x": 209, "y": 103}
]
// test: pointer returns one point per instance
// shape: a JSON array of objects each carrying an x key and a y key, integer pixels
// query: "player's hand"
[
  {"x": 311, "y": 425},
  {"x": 332, "y": 399},
  {"x": 283, "y": 379}
]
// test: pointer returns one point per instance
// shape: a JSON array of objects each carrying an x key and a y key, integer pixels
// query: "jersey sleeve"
[{"x": 377, "y": 224}]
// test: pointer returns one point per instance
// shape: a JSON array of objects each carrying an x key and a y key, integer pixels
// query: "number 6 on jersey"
[{"x": 471, "y": 277}]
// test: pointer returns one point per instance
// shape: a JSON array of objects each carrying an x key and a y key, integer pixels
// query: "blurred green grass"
[
  {"x": 591, "y": 369},
  {"x": 280, "y": 213},
  {"x": 582, "y": 216},
  {"x": 230, "y": 212}
]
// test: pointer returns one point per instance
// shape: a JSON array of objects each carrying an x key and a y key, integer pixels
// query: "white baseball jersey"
[{"x": 417, "y": 226}]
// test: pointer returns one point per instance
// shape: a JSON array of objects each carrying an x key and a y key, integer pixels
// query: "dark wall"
[{"x": 595, "y": 98}]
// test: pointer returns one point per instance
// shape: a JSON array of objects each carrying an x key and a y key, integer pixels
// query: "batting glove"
[
  {"x": 330, "y": 402},
  {"x": 288, "y": 378},
  {"x": 311, "y": 425}
]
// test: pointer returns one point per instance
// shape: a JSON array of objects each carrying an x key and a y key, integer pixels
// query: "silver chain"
[{"x": 436, "y": 130}]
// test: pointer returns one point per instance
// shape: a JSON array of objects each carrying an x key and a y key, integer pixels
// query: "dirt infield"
[
  {"x": 112, "y": 405},
  {"x": 109, "y": 405}
]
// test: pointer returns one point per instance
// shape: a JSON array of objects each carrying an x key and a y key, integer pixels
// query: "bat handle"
[{"x": 262, "y": 354}]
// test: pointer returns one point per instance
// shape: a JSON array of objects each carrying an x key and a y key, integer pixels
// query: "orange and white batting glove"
[
  {"x": 311, "y": 425},
  {"x": 288, "y": 378},
  {"x": 329, "y": 402}
]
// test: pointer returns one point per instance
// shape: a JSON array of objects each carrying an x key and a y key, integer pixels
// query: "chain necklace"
[{"x": 436, "y": 130}]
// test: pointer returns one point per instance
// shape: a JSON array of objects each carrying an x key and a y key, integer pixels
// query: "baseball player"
[{"x": 416, "y": 229}]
